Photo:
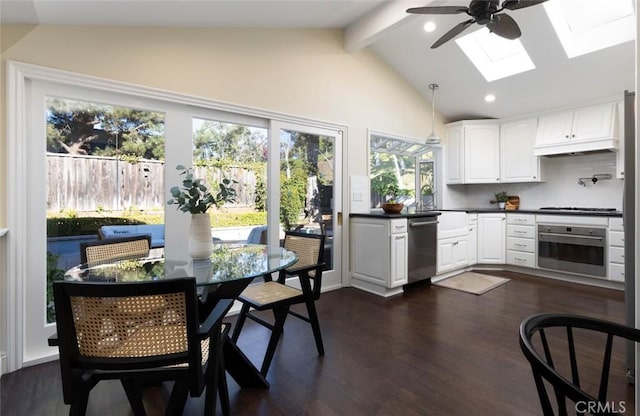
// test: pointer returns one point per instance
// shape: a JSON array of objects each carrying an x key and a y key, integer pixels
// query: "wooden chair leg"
[
  {"x": 280, "y": 317},
  {"x": 315, "y": 325},
  {"x": 223, "y": 388},
  {"x": 210, "y": 395},
  {"x": 178, "y": 398},
  {"x": 79, "y": 408},
  {"x": 135, "y": 397},
  {"x": 240, "y": 322}
]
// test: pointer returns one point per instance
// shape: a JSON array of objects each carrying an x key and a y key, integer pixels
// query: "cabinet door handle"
[{"x": 400, "y": 237}]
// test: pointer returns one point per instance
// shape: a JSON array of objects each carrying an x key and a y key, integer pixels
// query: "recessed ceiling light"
[
  {"x": 429, "y": 26},
  {"x": 489, "y": 98},
  {"x": 585, "y": 26},
  {"x": 494, "y": 56}
]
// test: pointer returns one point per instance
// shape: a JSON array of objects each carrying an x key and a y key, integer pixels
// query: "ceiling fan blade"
[
  {"x": 520, "y": 4},
  {"x": 504, "y": 25},
  {"x": 438, "y": 10},
  {"x": 455, "y": 31}
]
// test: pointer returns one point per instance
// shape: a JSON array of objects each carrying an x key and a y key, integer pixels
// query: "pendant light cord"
[{"x": 433, "y": 139}]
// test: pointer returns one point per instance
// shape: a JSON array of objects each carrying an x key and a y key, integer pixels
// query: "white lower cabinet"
[
  {"x": 615, "y": 270},
  {"x": 379, "y": 254},
  {"x": 453, "y": 241},
  {"x": 472, "y": 239},
  {"x": 521, "y": 240},
  {"x": 452, "y": 253},
  {"x": 491, "y": 238}
]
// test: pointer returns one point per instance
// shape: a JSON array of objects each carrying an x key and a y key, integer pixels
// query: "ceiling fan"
[{"x": 483, "y": 12}]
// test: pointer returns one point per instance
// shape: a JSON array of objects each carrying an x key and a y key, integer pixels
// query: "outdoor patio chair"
[
  {"x": 101, "y": 336},
  {"x": 279, "y": 297},
  {"x": 98, "y": 252},
  {"x": 573, "y": 355}
]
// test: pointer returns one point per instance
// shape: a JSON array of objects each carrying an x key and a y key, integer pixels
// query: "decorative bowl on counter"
[{"x": 392, "y": 208}]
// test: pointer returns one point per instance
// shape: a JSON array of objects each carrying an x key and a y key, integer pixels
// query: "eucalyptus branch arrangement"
[{"x": 195, "y": 198}]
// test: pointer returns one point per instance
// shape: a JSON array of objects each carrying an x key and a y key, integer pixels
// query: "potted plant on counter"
[
  {"x": 392, "y": 192},
  {"x": 501, "y": 199},
  {"x": 194, "y": 197}
]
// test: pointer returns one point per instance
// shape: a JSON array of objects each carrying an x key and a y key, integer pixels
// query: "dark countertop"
[
  {"x": 381, "y": 214},
  {"x": 541, "y": 212}
]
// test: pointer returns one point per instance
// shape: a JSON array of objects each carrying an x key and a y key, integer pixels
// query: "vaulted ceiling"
[{"x": 397, "y": 37}]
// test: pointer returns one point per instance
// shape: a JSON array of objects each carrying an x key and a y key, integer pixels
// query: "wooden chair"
[
  {"x": 101, "y": 336},
  {"x": 554, "y": 361},
  {"x": 94, "y": 253},
  {"x": 279, "y": 297}
]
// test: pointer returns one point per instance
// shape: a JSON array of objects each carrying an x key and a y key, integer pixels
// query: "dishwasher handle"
[{"x": 422, "y": 224}]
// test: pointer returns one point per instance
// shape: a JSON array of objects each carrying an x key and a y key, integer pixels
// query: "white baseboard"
[{"x": 3, "y": 362}]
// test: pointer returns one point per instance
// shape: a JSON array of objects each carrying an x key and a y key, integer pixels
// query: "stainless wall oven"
[{"x": 572, "y": 249}]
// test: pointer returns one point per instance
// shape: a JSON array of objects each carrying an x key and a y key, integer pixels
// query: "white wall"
[{"x": 560, "y": 188}]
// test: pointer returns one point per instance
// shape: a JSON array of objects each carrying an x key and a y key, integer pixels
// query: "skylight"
[
  {"x": 494, "y": 56},
  {"x": 585, "y": 26}
]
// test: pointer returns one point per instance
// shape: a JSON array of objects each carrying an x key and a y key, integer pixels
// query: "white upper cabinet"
[
  {"x": 473, "y": 152},
  {"x": 455, "y": 155},
  {"x": 579, "y": 130},
  {"x": 517, "y": 162},
  {"x": 482, "y": 153},
  {"x": 554, "y": 128}
]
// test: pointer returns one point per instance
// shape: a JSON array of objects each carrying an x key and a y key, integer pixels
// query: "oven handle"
[{"x": 587, "y": 237}]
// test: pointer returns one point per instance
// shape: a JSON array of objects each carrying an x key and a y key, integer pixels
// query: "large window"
[
  {"x": 104, "y": 165},
  {"x": 402, "y": 170},
  {"x": 223, "y": 150}
]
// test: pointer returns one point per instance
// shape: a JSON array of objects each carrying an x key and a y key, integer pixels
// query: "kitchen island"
[{"x": 389, "y": 251}]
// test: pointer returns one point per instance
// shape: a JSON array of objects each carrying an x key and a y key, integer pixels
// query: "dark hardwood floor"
[{"x": 431, "y": 351}]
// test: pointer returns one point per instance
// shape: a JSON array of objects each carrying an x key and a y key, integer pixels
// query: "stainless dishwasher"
[{"x": 423, "y": 233}]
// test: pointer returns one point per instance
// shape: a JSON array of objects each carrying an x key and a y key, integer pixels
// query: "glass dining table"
[{"x": 220, "y": 280}]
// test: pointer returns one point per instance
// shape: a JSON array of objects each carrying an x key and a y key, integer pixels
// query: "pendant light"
[{"x": 433, "y": 138}]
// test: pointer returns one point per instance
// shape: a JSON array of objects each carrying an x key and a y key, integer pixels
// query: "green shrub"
[
  {"x": 222, "y": 219},
  {"x": 53, "y": 274},
  {"x": 63, "y": 227}
]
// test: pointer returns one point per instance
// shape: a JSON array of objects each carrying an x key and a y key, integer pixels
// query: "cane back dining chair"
[
  {"x": 573, "y": 356},
  {"x": 279, "y": 297},
  {"x": 98, "y": 252},
  {"x": 109, "y": 332}
]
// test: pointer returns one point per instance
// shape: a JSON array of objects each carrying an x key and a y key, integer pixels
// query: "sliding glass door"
[
  {"x": 90, "y": 157},
  {"x": 309, "y": 187}
]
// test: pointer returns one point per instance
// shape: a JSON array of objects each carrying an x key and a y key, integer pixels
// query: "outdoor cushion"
[{"x": 156, "y": 231}]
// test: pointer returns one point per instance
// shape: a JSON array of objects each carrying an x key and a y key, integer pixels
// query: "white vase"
[
  {"x": 501, "y": 205},
  {"x": 200, "y": 242}
]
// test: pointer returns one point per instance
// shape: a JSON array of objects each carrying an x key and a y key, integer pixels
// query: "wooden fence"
[{"x": 94, "y": 183}]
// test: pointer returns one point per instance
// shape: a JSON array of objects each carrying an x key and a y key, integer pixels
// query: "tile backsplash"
[{"x": 560, "y": 187}]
